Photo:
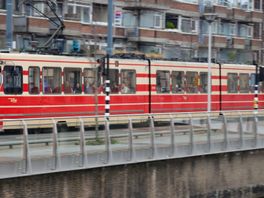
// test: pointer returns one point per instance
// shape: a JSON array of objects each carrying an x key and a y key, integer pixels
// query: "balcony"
[
  {"x": 255, "y": 17},
  {"x": 184, "y": 7},
  {"x": 239, "y": 43},
  {"x": 238, "y": 14},
  {"x": 36, "y": 25},
  {"x": 161, "y": 36},
  {"x": 20, "y": 24},
  {"x": 219, "y": 41},
  {"x": 145, "y": 5},
  {"x": 222, "y": 11},
  {"x": 256, "y": 44}
]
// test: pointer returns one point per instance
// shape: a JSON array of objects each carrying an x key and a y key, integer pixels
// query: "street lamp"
[{"x": 210, "y": 18}]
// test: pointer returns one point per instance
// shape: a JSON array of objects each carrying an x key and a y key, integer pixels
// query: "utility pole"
[
  {"x": 109, "y": 53},
  {"x": 9, "y": 24}
]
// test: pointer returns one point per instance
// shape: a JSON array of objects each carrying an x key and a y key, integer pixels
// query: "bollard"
[
  {"x": 108, "y": 149},
  {"x": 152, "y": 138},
  {"x": 225, "y": 132},
  {"x": 256, "y": 128},
  {"x": 55, "y": 153},
  {"x": 209, "y": 137},
  {"x": 27, "y": 168},
  {"x": 172, "y": 129},
  {"x": 191, "y": 134},
  {"x": 83, "y": 153},
  {"x": 241, "y": 132},
  {"x": 130, "y": 136}
]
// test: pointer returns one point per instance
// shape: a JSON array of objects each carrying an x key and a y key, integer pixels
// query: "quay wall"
[{"x": 234, "y": 174}]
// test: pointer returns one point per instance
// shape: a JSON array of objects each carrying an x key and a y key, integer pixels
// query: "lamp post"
[{"x": 209, "y": 17}]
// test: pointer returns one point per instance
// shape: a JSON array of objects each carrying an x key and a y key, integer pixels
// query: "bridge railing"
[{"x": 43, "y": 145}]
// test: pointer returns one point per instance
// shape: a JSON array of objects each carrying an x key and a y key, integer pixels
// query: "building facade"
[{"x": 169, "y": 29}]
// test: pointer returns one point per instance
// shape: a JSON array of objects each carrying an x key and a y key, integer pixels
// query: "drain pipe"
[
  {"x": 255, "y": 102},
  {"x": 220, "y": 88},
  {"x": 149, "y": 85},
  {"x": 9, "y": 24}
]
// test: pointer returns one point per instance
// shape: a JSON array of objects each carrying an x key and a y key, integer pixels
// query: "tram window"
[
  {"x": 244, "y": 83},
  {"x": 13, "y": 79},
  {"x": 232, "y": 82},
  {"x": 90, "y": 78},
  {"x": 114, "y": 80},
  {"x": 72, "y": 81},
  {"x": 33, "y": 80},
  {"x": 178, "y": 81},
  {"x": 128, "y": 81},
  {"x": 52, "y": 80},
  {"x": 192, "y": 82},
  {"x": 163, "y": 81},
  {"x": 203, "y": 82},
  {"x": 252, "y": 82}
]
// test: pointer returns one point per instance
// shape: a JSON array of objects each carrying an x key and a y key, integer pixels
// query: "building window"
[
  {"x": 157, "y": 21},
  {"x": 232, "y": 82},
  {"x": 13, "y": 79},
  {"x": 128, "y": 81},
  {"x": 250, "y": 31},
  {"x": 85, "y": 17},
  {"x": 33, "y": 80},
  {"x": 172, "y": 21},
  {"x": 101, "y": 13},
  {"x": 60, "y": 9},
  {"x": 163, "y": 81},
  {"x": 188, "y": 25},
  {"x": 39, "y": 7},
  {"x": 27, "y": 10},
  {"x": 72, "y": 81},
  {"x": 2, "y": 4},
  {"x": 245, "y": 4},
  {"x": 178, "y": 81},
  {"x": 79, "y": 12},
  {"x": 257, "y": 5},
  {"x": 51, "y": 80},
  {"x": 232, "y": 29}
]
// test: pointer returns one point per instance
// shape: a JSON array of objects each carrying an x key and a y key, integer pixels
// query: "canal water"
[{"x": 219, "y": 175}]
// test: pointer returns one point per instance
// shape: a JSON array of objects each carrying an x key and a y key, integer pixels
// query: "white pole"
[{"x": 209, "y": 66}]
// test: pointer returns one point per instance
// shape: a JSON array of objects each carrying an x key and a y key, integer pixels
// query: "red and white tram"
[{"x": 51, "y": 86}]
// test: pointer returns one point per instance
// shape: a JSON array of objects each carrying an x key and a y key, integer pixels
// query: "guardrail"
[{"x": 96, "y": 142}]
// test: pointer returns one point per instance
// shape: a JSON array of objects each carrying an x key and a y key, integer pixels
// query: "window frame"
[
  {"x": 132, "y": 80},
  {"x": 72, "y": 85},
  {"x": 246, "y": 90},
  {"x": 13, "y": 89},
  {"x": 174, "y": 82},
  {"x": 29, "y": 82},
  {"x": 157, "y": 18},
  {"x": 159, "y": 82},
  {"x": 51, "y": 89},
  {"x": 235, "y": 83}
]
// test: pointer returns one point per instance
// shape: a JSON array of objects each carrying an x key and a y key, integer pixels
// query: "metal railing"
[{"x": 89, "y": 142}]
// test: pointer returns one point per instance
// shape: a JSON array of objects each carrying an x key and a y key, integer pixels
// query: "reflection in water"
[{"x": 188, "y": 177}]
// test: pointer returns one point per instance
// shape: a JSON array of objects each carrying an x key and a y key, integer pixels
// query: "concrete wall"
[{"x": 222, "y": 175}]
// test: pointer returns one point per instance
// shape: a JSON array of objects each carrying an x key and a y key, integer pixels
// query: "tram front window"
[{"x": 13, "y": 80}]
